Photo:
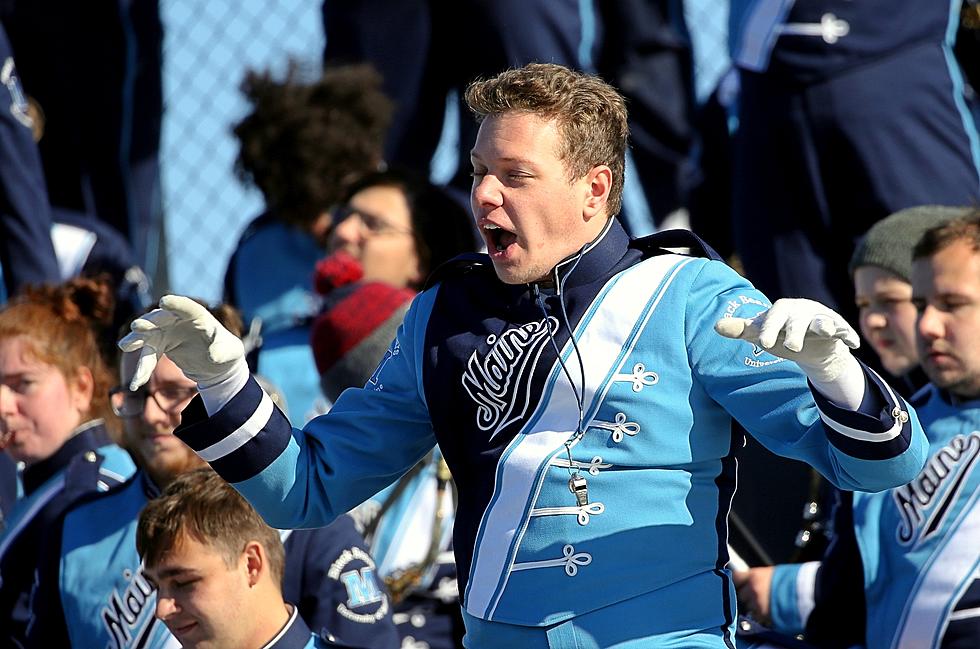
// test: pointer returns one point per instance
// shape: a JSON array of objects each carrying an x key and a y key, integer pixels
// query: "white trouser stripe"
[
  {"x": 758, "y": 33},
  {"x": 806, "y": 587}
]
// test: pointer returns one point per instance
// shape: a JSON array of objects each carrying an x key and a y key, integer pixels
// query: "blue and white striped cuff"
[
  {"x": 880, "y": 429},
  {"x": 240, "y": 440}
]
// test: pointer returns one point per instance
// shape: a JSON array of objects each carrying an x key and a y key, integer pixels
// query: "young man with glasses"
[
  {"x": 91, "y": 590},
  {"x": 400, "y": 228},
  {"x": 169, "y": 399}
]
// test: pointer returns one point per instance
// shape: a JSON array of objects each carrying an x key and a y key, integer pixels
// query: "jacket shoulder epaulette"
[
  {"x": 659, "y": 243},
  {"x": 460, "y": 265},
  {"x": 112, "y": 490},
  {"x": 921, "y": 396}
]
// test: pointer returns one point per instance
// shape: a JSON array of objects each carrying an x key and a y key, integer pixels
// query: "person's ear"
[
  {"x": 598, "y": 184},
  {"x": 255, "y": 561},
  {"x": 82, "y": 388},
  {"x": 415, "y": 276}
]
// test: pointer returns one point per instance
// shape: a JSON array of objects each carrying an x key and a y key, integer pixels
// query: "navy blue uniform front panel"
[
  {"x": 26, "y": 252},
  {"x": 8, "y": 487},
  {"x": 491, "y": 348},
  {"x": 873, "y": 28},
  {"x": 839, "y": 588}
]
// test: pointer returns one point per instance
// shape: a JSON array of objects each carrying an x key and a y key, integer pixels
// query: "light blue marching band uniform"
[
  {"x": 640, "y": 560},
  {"x": 87, "y": 462},
  {"x": 919, "y": 546},
  {"x": 91, "y": 591}
]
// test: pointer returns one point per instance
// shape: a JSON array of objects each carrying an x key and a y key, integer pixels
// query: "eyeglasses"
[
  {"x": 371, "y": 224},
  {"x": 170, "y": 399}
]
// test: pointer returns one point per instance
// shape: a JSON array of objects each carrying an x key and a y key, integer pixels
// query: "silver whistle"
[{"x": 578, "y": 486}]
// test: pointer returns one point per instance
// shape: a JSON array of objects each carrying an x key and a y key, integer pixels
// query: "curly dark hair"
[{"x": 304, "y": 142}]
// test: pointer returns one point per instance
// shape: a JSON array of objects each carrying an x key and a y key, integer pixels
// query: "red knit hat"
[{"x": 356, "y": 324}]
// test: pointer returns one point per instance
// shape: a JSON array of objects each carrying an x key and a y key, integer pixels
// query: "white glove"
[
  {"x": 814, "y": 337},
  {"x": 191, "y": 337}
]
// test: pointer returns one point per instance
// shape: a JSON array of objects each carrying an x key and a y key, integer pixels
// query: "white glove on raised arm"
[
  {"x": 814, "y": 337},
  {"x": 192, "y": 338}
]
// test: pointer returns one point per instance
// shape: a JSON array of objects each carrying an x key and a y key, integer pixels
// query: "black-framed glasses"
[
  {"x": 371, "y": 224},
  {"x": 170, "y": 399}
]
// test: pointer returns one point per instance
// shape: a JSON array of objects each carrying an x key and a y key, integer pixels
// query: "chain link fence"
[
  {"x": 707, "y": 24},
  {"x": 208, "y": 46}
]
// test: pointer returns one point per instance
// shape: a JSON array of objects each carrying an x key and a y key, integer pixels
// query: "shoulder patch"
[{"x": 366, "y": 601}]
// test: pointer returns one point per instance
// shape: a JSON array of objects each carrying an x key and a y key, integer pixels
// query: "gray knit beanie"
[{"x": 889, "y": 242}]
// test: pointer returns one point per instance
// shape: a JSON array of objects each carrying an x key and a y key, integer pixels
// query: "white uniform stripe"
[
  {"x": 923, "y": 621},
  {"x": 861, "y": 435},
  {"x": 11, "y": 533},
  {"x": 242, "y": 435},
  {"x": 602, "y": 346},
  {"x": 806, "y": 589},
  {"x": 759, "y": 33},
  {"x": 864, "y": 435},
  {"x": 965, "y": 614},
  {"x": 112, "y": 474}
]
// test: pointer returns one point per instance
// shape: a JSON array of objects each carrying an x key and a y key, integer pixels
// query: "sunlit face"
[
  {"x": 201, "y": 599},
  {"x": 39, "y": 407},
  {"x": 946, "y": 290},
  {"x": 887, "y": 317},
  {"x": 151, "y": 435},
  {"x": 378, "y": 233},
  {"x": 531, "y": 216}
]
